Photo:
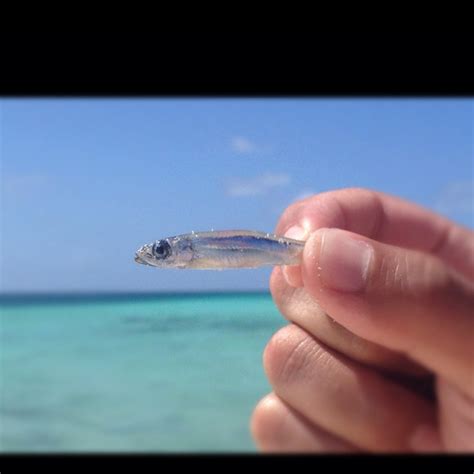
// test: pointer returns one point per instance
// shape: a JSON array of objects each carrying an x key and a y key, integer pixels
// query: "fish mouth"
[
  {"x": 139, "y": 259},
  {"x": 142, "y": 254}
]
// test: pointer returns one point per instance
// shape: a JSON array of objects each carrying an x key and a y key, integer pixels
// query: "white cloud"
[
  {"x": 242, "y": 145},
  {"x": 456, "y": 197},
  {"x": 258, "y": 185}
]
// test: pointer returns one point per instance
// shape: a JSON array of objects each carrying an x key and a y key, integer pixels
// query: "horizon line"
[
  {"x": 90, "y": 290},
  {"x": 15, "y": 299}
]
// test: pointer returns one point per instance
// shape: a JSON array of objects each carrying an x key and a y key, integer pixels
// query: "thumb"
[{"x": 402, "y": 299}]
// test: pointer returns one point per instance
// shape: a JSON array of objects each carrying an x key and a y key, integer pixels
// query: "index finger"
[{"x": 387, "y": 219}]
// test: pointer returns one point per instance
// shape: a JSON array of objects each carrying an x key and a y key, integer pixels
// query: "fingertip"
[
  {"x": 284, "y": 353},
  {"x": 310, "y": 266},
  {"x": 277, "y": 281},
  {"x": 292, "y": 275},
  {"x": 265, "y": 420}
]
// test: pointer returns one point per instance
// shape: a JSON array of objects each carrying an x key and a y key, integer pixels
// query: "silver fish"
[{"x": 218, "y": 250}]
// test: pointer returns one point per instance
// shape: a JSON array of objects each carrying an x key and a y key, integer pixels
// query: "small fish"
[{"x": 218, "y": 250}]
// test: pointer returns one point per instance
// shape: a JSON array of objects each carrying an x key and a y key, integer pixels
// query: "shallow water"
[{"x": 161, "y": 373}]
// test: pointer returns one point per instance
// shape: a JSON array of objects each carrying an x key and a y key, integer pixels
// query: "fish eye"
[{"x": 161, "y": 249}]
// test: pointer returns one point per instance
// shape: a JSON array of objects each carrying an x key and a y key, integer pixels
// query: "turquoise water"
[{"x": 168, "y": 373}]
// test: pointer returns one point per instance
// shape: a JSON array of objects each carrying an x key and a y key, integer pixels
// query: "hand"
[{"x": 379, "y": 355}]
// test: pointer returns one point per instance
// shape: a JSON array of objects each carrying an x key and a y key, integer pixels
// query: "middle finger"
[{"x": 299, "y": 307}]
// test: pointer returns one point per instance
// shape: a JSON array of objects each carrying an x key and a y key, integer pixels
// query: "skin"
[{"x": 378, "y": 355}]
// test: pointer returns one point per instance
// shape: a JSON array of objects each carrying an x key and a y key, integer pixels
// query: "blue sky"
[{"x": 85, "y": 181}]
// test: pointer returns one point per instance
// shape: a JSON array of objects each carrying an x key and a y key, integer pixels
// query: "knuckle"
[
  {"x": 287, "y": 355},
  {"x": 411, "y": 274},
  {"x": 391, "y": 274},
  {"x": 357, "y": 192}
]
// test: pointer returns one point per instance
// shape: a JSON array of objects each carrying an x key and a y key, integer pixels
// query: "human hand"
[{"x": 379, "y": 352}]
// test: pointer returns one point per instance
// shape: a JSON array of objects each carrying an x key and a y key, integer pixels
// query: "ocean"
[{"x": 132, "y": 372}]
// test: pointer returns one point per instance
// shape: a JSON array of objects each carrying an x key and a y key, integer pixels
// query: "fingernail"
[
  {"x": 344, "y": 261},
  {"x": 296, "y": 232},
  {"x": 292, "y": 273}
]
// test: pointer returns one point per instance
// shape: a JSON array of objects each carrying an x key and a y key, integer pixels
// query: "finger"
[
  {"x": 292, "y": 273},
  {"x": 277, "y": 428},
  {"x": 456, "y": 417},
  {"x": 384, "y": 218},
  {"x": 297, "y": 305},
  {"x": 402, "y": 299},
  {"x": 426, "y": 439},
  {"x": 341, "y": 396}
]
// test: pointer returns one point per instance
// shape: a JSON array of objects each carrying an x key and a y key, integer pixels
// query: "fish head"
[{"x": 166, "y": 253}]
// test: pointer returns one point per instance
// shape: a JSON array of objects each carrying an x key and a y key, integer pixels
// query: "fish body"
[{"x": 218, "y": 250}]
